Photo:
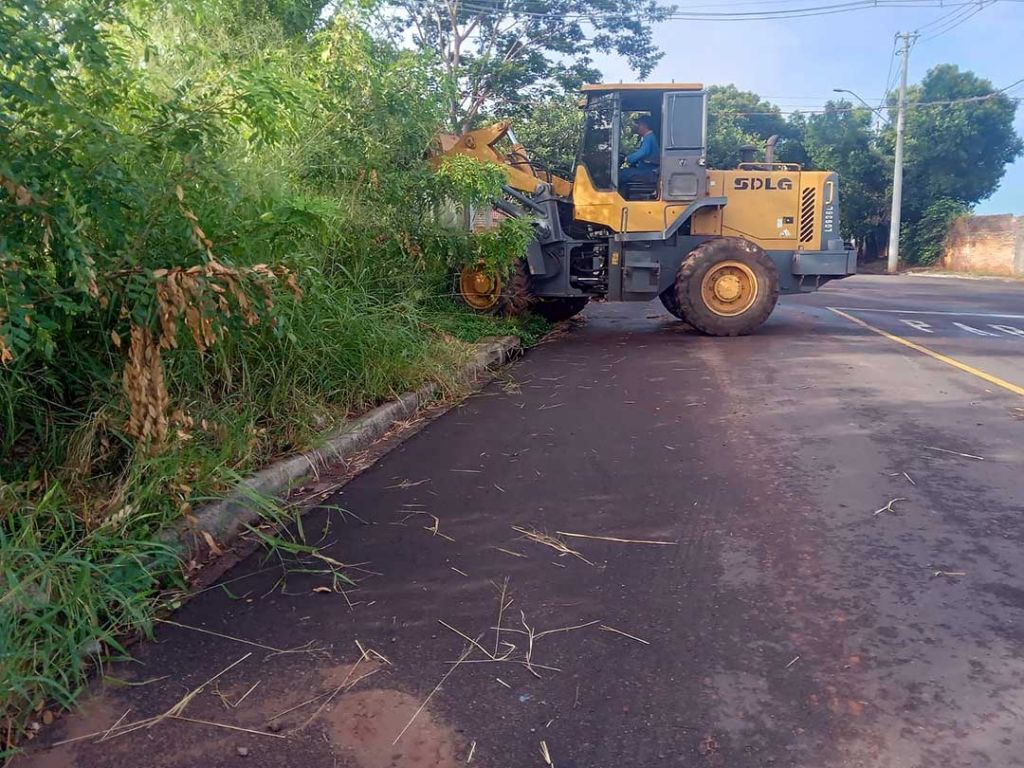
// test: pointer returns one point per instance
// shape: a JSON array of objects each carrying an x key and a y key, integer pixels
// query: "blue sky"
[{"x": 797, "y": 62}]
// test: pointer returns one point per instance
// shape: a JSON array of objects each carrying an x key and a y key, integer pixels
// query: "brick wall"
[{"x": 990, "y": 244}]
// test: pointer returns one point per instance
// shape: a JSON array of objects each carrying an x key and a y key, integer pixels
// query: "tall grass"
[
  {"x": 176, "y": 136},
  {"x": 68, "y": 594}
]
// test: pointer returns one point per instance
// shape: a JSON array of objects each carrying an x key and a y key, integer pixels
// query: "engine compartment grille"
[{"x": 807, "y": 201}]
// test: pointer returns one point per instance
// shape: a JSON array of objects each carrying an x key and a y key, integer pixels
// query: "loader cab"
[{"x": 677, "y": 114}]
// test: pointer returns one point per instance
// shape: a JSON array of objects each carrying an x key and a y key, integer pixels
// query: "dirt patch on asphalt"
[
  {"x": 94, "y": 714},
  {"x": 364, "y": 725},
  {"x": 298, "y": 716}
]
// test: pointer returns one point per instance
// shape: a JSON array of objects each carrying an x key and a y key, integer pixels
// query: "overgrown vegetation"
[
  {"x": 516, "y": 52},
  {"x": 219, "y": 238},
  {"x": 926, "y": 237}
]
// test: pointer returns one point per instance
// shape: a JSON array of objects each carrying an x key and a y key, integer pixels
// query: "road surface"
[{"x": 831, "y": 570}]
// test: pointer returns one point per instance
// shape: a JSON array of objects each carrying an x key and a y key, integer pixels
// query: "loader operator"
[{"x": 642, "y": 165}]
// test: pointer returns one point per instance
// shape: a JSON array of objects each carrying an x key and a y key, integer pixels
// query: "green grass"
[
  {"x": 80, "y": 567},
  {"x": 68, "y": 595},
  {"x": 469, "y": 326}
]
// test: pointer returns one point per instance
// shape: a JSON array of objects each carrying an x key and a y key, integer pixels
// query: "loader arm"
[{"x": 523, "y": 174}]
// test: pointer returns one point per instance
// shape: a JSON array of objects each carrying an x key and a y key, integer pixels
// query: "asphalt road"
[{"x": 795, "y": 618}]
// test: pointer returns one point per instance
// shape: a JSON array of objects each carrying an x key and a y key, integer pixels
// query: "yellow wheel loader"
[{"x": 716, "y": 246}]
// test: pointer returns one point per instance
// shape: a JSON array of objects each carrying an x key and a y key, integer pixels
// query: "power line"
[
  {"x": 943, "y": 18},
  {"x": 787, "y": 13},
  {"x": 686, "y": 7},
  {"x": 1011, "y": 86},
  {"x": 910, "y": 104},
  {"x": 481, "y": 8},
  {"x": 890, "y": 74},
  {"x": 981, "y": 7},
  {"x": 950, "y": 20}
]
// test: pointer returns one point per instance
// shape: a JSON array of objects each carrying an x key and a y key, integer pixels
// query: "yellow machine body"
[{"x": 778, "y": 209}]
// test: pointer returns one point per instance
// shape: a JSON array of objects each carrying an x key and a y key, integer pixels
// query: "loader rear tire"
[
  {"x": 556, "y": 310},
  {"x": 669, "y": 301},
  {"x": 727, "y": 287}
]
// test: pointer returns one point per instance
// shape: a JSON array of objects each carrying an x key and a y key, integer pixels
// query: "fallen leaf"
[{"x": 707, "y": 746}]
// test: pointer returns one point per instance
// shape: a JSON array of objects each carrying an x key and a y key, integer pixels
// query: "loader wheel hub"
[
  {"x": 480, "y": 288},
  {"x": 729, "y": 288}
]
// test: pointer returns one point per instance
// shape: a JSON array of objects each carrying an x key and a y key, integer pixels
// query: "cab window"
[{"x": 596, "y": 150}]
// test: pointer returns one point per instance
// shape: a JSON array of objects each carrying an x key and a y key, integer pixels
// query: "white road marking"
[
  {"x": 931, "y": 312},
  {"x": 920, "y": 325},
  {"x": 1007, "y": 385},
  {"x": 975, "y": 331}
]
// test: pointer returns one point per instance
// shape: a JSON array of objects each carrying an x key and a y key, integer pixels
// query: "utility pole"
[{"x": 897, "y": 171}]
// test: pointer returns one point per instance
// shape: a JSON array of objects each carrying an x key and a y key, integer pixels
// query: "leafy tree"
[
  {"x": 793, "y": 149},
  {"x": 514, "y": 51},
  {"x": 752, "y": 114},
  {"x": 726, "y": 139},
  {"x": 955, "y": 151},
  {"x": 550, "y": 130},
  {"x": 295, "y": 16},
  {"x": 737, "y": 118}
]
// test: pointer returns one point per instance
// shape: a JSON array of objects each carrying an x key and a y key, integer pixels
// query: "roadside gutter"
[{"x": 226, "y": 519}]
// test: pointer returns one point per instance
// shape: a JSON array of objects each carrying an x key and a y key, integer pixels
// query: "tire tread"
[{"x": 702, "y": 258}]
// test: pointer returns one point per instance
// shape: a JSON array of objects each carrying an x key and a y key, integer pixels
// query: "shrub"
[{"x": 924, "y": 240}]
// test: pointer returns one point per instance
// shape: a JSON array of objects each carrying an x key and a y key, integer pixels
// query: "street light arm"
[{"x": 876, "y": 110}]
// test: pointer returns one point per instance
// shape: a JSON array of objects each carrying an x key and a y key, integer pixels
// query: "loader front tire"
[
  {"x": 556, "y": 310},
  {"x": 488, "y": 292},
  {"x": 727, "y": 287}
]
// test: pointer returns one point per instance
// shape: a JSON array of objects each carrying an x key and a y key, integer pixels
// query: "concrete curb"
[
  {"x": 965, "y": 276},
  {"x": 225, "y": 519}
]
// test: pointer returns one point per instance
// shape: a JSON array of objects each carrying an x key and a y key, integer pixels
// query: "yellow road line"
[{"x": 1008, "y": 386}]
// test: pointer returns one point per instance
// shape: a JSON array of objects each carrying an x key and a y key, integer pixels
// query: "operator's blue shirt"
[{"x": 647, "y": 153}]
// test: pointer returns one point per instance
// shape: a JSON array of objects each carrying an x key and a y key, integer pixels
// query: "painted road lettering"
[
  {"x": 976, "y": 331},
  {"x": 997, "y": 330},
  {"x": 920, "y": 325}
]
